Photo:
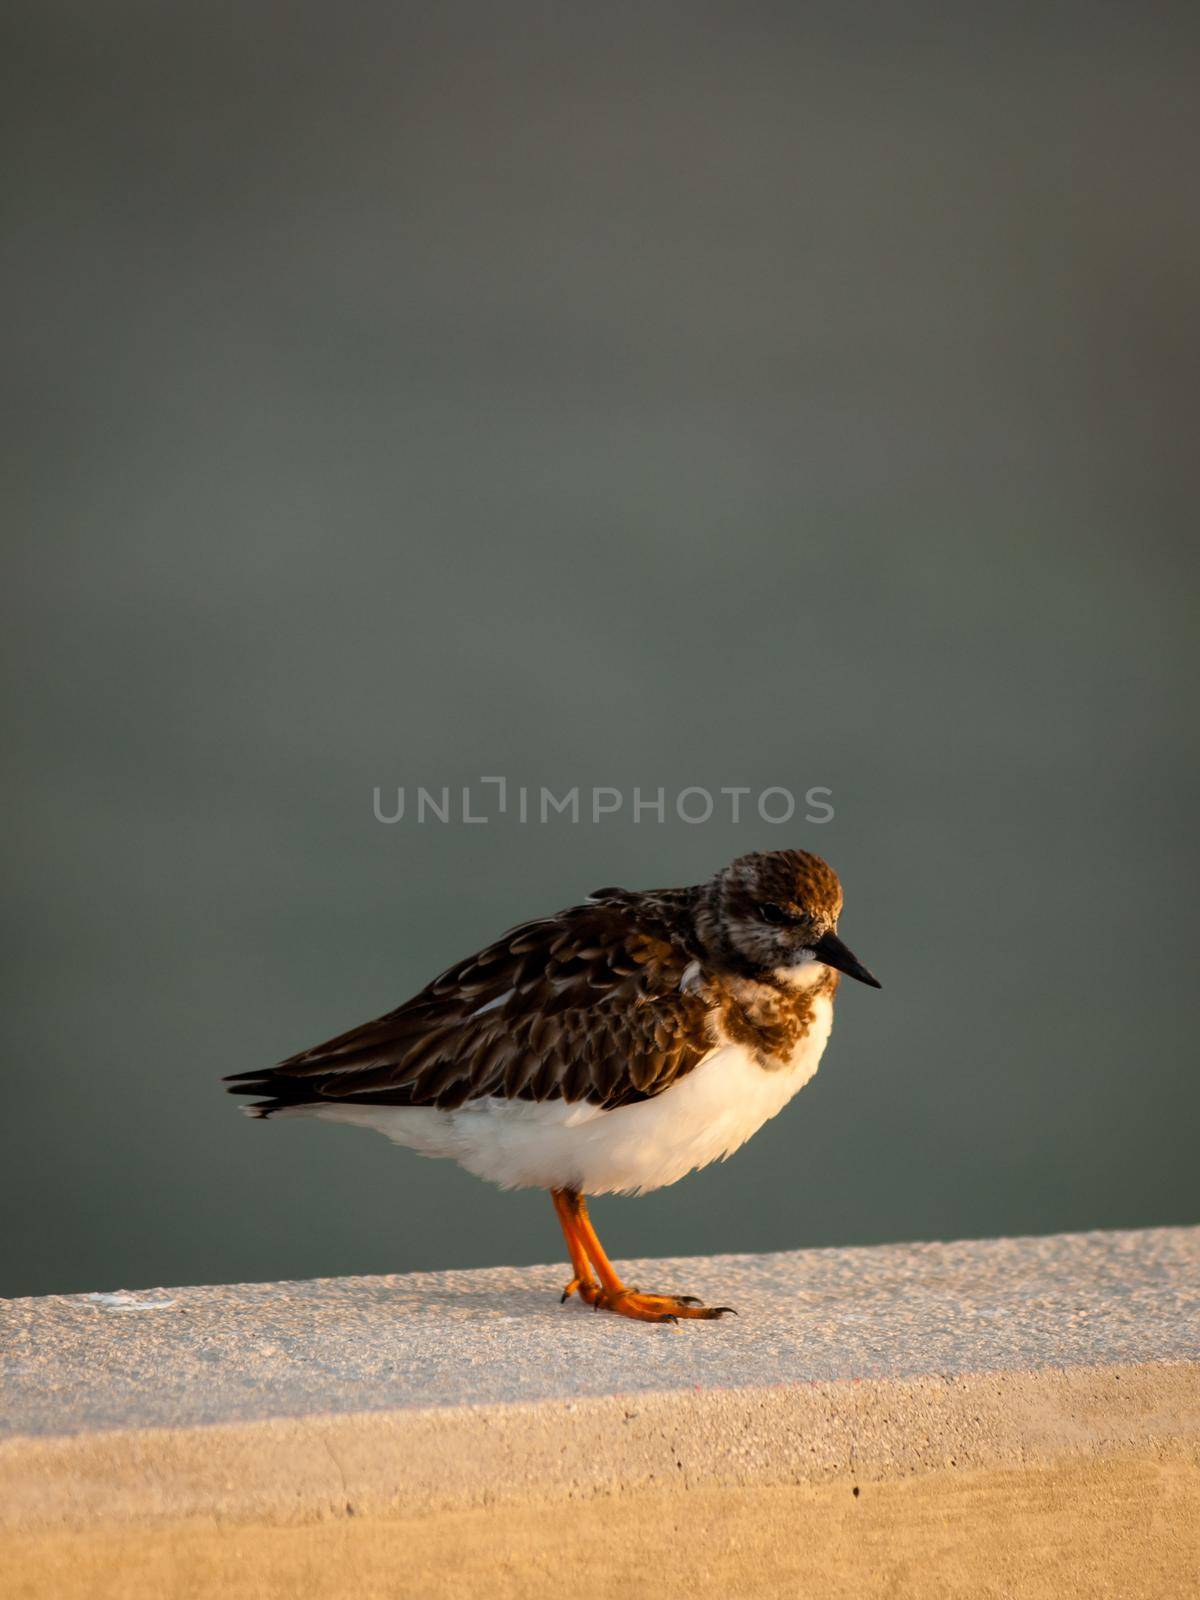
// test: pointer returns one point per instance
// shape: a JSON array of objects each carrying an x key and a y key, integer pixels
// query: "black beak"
[{"x": 830, "y": 949}]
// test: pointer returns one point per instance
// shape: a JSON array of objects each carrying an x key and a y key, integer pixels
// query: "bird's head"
[{"x": 778, "y": 912}]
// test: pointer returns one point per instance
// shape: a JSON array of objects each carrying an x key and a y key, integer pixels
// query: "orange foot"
[
  {"x": 642, "y": 1307},
  {"x": 609, "y": 1293}
]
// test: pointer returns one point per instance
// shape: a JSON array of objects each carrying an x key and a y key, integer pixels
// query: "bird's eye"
[{"x": 773, "y": 913}]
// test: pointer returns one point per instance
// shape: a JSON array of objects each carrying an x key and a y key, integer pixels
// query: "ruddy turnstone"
[{"x": 610, "y": 1048}]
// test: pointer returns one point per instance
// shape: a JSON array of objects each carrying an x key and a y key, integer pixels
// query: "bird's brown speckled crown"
[{"x": 794, "y": 879}]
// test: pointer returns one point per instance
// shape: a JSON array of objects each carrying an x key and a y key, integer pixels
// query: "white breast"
[{"x": 704, "y": 1117}]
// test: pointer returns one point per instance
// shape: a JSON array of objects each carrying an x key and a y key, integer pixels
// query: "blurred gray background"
[{"x": 670, "y": 395}]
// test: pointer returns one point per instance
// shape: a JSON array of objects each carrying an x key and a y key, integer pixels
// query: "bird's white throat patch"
[{"x": 804, "y": 974}]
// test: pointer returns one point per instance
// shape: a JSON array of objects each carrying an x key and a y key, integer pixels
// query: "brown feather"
[{"x": 584, "y": 1005}]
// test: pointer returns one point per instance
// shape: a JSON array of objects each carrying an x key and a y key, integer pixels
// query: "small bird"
[{"x": 608, "y": 1049}]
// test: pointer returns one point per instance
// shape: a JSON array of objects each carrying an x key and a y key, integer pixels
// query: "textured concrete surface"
[
  {"x": 1074, "y": 1531},
  {"x": 432, "y": 1461},
  {"x": 245, "y": 1352},
  {"x": 987, "y": 1407}
]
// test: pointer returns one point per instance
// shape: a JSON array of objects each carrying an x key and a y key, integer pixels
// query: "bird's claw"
[
  {"x": 642, "y": 1306},
  {"x": 655, "y": 1307}
]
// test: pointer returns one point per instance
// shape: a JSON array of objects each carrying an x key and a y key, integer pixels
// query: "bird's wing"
[{"x": 584, "y": 1005}]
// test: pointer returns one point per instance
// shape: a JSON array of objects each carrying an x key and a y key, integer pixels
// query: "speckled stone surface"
[{"x": 251, "y": 1352}]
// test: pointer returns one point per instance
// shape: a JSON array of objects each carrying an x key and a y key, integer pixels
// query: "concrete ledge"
[{"x": 861, "y": 1395}]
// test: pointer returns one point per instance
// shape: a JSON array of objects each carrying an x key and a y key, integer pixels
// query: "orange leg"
[
  {"x": 583, "y": 1282},
  {"x": 610, "y": 1294}
]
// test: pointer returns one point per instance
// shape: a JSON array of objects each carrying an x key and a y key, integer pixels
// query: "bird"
[{"x": 610, "y": 1048}]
